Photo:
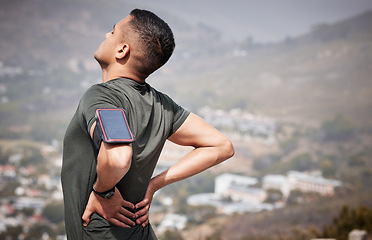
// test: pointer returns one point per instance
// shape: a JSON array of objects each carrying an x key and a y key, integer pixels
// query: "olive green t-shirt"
[{"x": 152, "y": 117}]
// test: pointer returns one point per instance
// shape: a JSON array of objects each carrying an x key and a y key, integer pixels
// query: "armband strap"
[{"x": 112, "y": 127}]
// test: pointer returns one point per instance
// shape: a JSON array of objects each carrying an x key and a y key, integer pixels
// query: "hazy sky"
[{"x": 264, "y": 20}]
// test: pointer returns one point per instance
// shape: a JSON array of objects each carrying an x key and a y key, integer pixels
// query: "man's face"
[{"x": 105, "y": 53}]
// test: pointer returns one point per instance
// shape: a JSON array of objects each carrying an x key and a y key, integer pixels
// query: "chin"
[{"x": 98, "y": 59}]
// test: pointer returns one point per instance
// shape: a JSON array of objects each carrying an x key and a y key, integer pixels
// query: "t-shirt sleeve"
[
  {"x": 179, "y": 116},
  {"x": 96, "y": 97}
]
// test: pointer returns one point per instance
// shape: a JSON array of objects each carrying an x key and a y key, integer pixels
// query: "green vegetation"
[
  {"x": 338, "y": 128},
  {"x": 348, "y": 220}
]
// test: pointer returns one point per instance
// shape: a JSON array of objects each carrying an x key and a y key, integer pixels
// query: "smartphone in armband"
[{"x": 112, "y": 127}]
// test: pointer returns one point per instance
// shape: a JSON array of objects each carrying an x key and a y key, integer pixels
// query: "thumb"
[{"x": 86, "y": 217}]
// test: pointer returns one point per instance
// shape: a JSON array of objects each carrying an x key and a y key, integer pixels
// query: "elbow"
[
  {"x": 120, "y": 164},
  {"x": 120, "y": 161},
  {"x": 230, "y": 149},
  {"x": 115, "y": 157},
  {"x": 227, "y": 149}
]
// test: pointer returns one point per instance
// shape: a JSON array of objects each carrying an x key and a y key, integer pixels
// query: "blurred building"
[
  {"x": 247, "y": 125},
  {"x": 172, "y": 222},
  {"x": 246, "y": 194},
  {"x": 224, "y": 181},
  {"x": 302, "y": 181},
  {"x": 277, "y": 182},
  {"x": 312, "y": 182},
  {"x": 358, "y": 235},
  {"x": 233, "y": 193}
]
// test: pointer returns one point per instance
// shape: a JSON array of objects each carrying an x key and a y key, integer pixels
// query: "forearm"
[
  {"x": 211, "y": 148},
  {"x": 112, "y": 164},
  {"x": 198, "y": 160},
  {"x": 108, "y": 177}
]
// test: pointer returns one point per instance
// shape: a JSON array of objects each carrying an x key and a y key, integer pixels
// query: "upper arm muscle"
[
  {"x": 115, "y": 154},
  {"x": 197, "y": 133}
]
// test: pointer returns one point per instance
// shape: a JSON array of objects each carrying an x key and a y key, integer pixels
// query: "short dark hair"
[{"x": 156, "y": 38}]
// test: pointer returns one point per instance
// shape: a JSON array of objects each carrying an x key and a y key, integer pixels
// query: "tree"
[
  {"x": 302, "y": 162},
  {"x": 338, "y": 128},
  {"x": 347, "y": 220},
  {"x": 327, "y": 167}
]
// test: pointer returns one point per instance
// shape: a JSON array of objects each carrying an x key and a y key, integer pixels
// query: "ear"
[{"x": 122, "y": 52}]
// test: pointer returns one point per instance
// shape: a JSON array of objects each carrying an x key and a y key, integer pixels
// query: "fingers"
[
  {"x": 144, "y": 219},
  {"x": 142, "y": 211},
  {"x": 145, "y": 223},
  {"x": 142, "y": 215},
  {"x": 120, "y": 216},
  {"x": 120, "y": 223},
  {"x": 141, "y": 204},
  {"x": 86, "y": 217},
  {"x": 127, "y": 204},
  {"x": 115, "y": 210},
  {"x": 87, "y": 213}
]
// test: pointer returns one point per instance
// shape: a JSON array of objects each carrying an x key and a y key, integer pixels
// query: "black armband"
[{"x": 112, "y": 127}]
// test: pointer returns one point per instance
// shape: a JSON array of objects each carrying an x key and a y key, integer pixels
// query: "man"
[{"x": 108, "y": 187}]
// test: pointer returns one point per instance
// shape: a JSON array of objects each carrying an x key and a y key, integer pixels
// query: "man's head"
[
  {"x": 156, "y": 39},
  {"x": 141, "y": 41}
]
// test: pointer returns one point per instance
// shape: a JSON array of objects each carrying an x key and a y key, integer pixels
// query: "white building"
[
  {"x": 172, "y": 222},
  {"x": 312, "y": 182},
  {"x": 246, "y": 194},
  {"x": 245, "y": 123},
  {"x": 224, "y": 181},
  {"x": 210, "y": 199},
  {"x": 302, "y": 181},
  {"x": 233, "y": 193},
  {"x": 244, "y": 207},
  {"x": 277, "y": 182}
]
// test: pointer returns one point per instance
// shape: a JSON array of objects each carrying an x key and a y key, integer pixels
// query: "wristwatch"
[{"x": 108, "y": 194}]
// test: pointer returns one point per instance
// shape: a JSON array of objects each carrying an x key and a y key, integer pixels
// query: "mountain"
[
  {"x": 36, "y": 33},
  {"x": 46, "y": 60},
  {"x": 258, "y": 19},
  {"x": 46, "y": 65},
  {"x": 39, "y": 33},
  {"x": 307, "y": 79}
]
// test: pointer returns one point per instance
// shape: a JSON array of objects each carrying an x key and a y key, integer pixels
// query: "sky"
[{"x": 261, "y": 20}]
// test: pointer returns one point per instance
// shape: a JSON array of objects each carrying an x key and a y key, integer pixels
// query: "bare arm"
[
  {"x": 113, "y": 162},
  {"x": 211, "y": 148}
]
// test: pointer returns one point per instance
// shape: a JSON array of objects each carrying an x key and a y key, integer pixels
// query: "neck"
[{"x": 112, "y": 73}]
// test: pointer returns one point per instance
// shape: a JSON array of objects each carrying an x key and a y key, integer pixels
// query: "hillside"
[
  {"x": 46, "y": 60},
  {"x": 316, "y": 88},
  {"x": 309, "y": 79},
  {"x": 49, "y": 33}
]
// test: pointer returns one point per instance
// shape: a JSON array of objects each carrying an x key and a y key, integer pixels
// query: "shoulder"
[
  {"x": 98, "y": 93},
  {"x": 93, "y": 90},
  {"x": 163, "y": 97}
]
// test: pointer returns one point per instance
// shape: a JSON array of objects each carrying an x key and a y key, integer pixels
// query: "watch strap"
[{"x": 107, "y": 194}]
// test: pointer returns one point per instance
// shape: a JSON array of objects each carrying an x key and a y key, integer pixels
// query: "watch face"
[{"x": 109, "y": 195}]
